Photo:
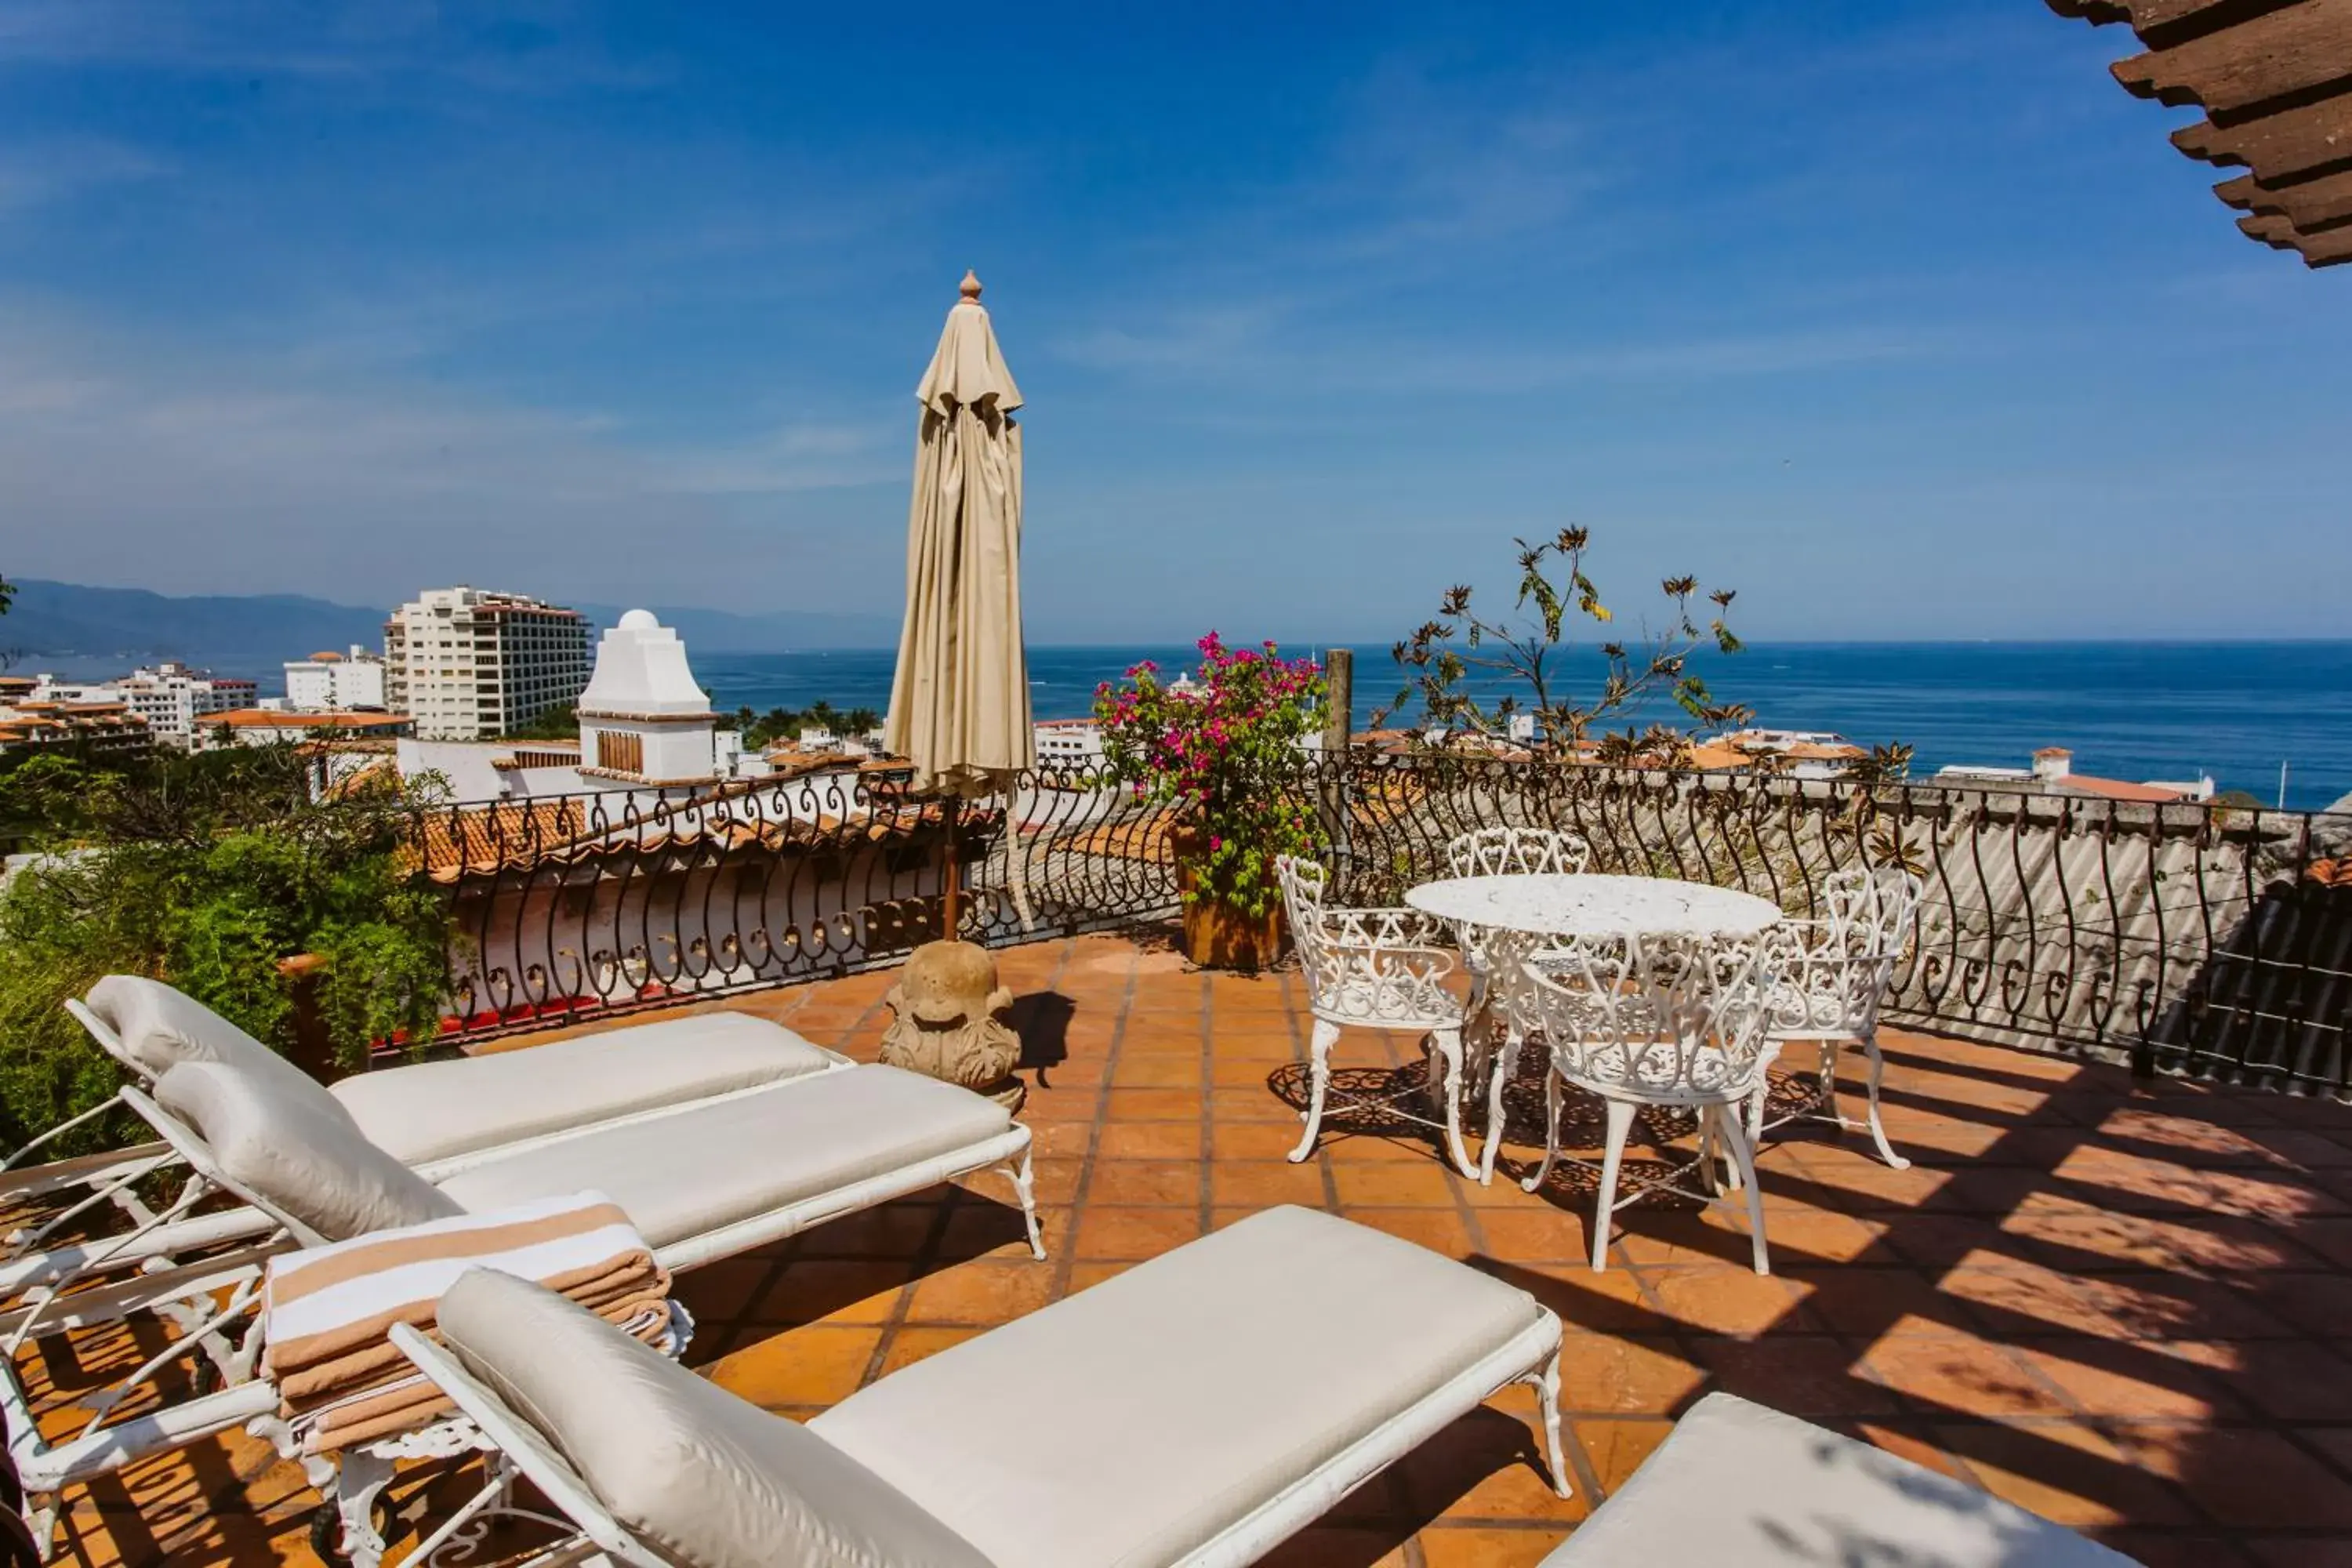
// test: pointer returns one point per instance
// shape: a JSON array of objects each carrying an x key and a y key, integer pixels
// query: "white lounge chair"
[
  {"x": 436, "y": 1116},
  {"x": 1740, "y": 1485},
  {"x": 700, "y": 1183},
  {"x": 1198, "y": 1409}
]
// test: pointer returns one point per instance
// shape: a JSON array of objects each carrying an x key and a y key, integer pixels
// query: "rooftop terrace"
[{"x": 2128, "y": 1308}]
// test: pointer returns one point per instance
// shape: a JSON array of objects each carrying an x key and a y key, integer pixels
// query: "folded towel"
[
  {"x": 326, "y": 1301},
  {"x": 329, "y": 1311},
  {"x": 369, "y": 1362},
  {"x": 405, "y": 1402}
]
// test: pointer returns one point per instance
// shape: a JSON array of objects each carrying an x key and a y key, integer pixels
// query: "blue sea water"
[{"x": 2130, "y": 710}]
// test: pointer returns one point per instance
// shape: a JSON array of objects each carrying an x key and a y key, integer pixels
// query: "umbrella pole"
[{"x": 951, "y": 925}]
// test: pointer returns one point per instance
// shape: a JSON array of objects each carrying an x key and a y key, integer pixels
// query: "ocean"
[{"x": 2129, "y": 710}]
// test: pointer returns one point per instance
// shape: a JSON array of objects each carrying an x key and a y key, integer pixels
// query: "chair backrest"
[
  {"x": 651, "y": 1456},
  {"x": 150, "y": 1028},
  {"x": 1672, "y": 1020},
  {"x": 1517, "y": 851},
  {"x": 1303, "y": 883},
  {"x": 1372, "y": 966},
  {"x": 289, "y": 1149},
  {"x": 1833, "y": 972}
]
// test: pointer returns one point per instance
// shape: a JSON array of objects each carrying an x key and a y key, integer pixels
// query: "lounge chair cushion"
[
  {"x": 437, "y": 1110},
  {"x": 710, "y": 1479},
  {"x": 161, "y": 1027},
  {"x": 1740, "y": 1484},
  {"x": 1139, "y": 1419},
  {"x": 295, "y": 1147},
  {"x": 703, "y": 1167}
]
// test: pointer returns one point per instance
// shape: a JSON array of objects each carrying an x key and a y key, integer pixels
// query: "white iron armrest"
[
  {"x": 1388, "y": 927},
  {"x": 1418, "y": 963}
]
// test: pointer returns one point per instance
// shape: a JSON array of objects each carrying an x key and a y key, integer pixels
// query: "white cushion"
[
  {"x": 1135, "y": 1421},
  {"x": 292, "y": 1146},
  {"x": 691, "y": 1469},
  {"x": 161, "y": 1027},
  {"x": 1746, "y": 1487},
  {"x": 701, "y": 1167},
  {"x": 435, "y": 1109}
]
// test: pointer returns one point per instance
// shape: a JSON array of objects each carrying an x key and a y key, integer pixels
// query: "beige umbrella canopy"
[{"x": 959, "y": 701}]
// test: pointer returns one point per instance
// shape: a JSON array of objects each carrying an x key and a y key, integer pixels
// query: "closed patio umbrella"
[{"x": 960, "y": 701}]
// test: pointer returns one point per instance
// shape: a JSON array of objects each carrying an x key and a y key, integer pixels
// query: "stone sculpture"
[{"x": 949, "y": 1022}]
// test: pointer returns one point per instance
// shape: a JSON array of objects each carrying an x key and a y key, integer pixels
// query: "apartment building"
[
  {"x": 169, "y": 697},
  {"x": 82, "y": 727},
  {"x": 467, "y": 663},
  {"x": 335, "y": 682}
]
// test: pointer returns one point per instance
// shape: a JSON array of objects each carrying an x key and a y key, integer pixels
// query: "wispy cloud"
[
  {"x": 1243, "y": 348},
  {"x": 525, "y": 47},
  {"x": 217, "y": 472},
  {"x": 35, "y": 172},
  {"x": 810, "y": 457}
]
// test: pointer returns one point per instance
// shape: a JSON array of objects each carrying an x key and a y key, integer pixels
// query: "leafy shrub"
[{"x": 208, "y": 873}]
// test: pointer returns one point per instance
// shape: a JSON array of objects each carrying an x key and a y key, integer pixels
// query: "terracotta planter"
[{"x": 1217, "y": 936}]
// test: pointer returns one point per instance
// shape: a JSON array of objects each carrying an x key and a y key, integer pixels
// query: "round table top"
[{"x": 1580, "y": 905}]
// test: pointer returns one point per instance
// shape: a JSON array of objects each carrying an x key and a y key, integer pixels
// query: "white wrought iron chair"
[
  {"x": 1374, "y": 969},
  {"x": 1669, "y": 1021},
  {"x": 1504, "y": 852},
  {"x": 1833, "y": 977}
]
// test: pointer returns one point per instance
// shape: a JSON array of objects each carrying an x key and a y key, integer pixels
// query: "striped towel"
[{"x": 328, "y": 1310}]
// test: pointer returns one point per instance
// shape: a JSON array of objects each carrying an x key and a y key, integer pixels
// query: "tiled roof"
[
  {"x": 290, "y": 718},
  {"x": 2117, "y": 789}
]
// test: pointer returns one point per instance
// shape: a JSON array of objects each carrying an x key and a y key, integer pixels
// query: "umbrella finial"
[{"x": 970, "y": 287}]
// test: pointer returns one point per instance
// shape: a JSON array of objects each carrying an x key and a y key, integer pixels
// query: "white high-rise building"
[
  {"x": 327, "y": 682},
  {"x": 171, "y": 697},
  {"x": 469, "y": 665}
]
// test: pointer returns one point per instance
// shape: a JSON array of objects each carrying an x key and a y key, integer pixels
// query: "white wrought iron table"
[
  {"x": 1583, "y": 904},
  {"x": 1517, "y": 912}
]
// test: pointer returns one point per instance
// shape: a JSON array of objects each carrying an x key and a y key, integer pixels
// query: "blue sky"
[{"x": 1904, "y": 321}]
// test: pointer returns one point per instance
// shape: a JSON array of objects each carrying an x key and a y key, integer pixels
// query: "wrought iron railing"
[
  {"x": 2209, "y": 940},
  {"x": 637, "y": 897}
]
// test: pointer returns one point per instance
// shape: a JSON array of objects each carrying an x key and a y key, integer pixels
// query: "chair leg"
[
  {"x": 1447, "y": 1043},
  {"x": 1327, "y": 1035},
  {"x": 1545, "y": 1380},
  {"x": 1552, "y": 1091},
  {"x": 1829, "y": 1075},
  {"x": 1877, "y": 1128},
  {"x": 1721, "y": 1121},
  {"x": 1621, "y": 1125},
  {"x": 1500, "y": 1071},
  {"x": 1744, "y": 1157},
  {"x": 1025, "y": 1185}
]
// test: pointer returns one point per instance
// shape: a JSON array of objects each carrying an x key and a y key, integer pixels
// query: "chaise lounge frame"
[
  {"x": 1532, "y": 1357},
  {"x": 351, "y": 1484}
]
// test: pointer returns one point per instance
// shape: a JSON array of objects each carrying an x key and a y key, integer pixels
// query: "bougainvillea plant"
[{"x": 1224, "y": 752}]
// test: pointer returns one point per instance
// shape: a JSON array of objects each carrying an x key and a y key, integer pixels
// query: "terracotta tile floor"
[{"x": 2129, "y": 1310}]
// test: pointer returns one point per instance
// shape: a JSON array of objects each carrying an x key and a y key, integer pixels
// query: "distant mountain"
[
  {"x": 85, "y": 631},
  {"x": 88, "y": 630}
]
